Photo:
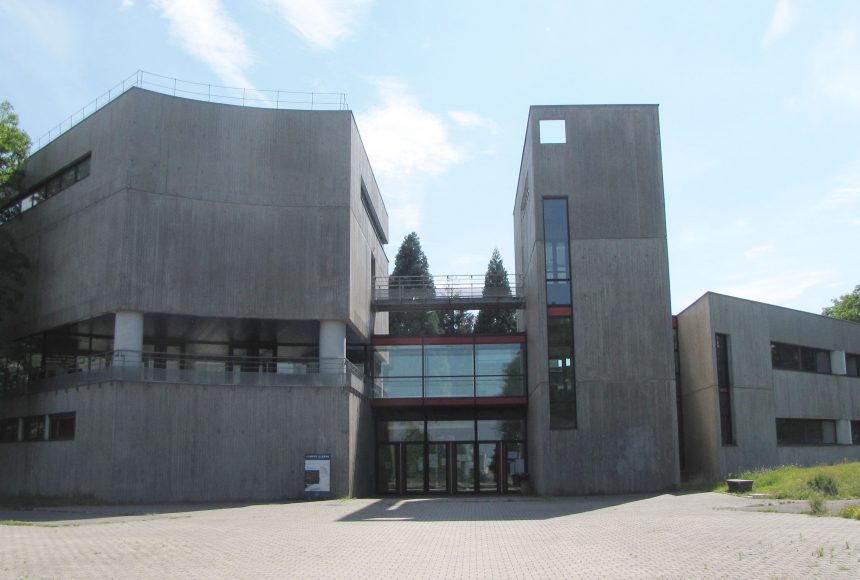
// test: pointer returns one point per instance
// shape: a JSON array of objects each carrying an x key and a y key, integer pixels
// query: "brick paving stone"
[{"x": 668, "y": 536}]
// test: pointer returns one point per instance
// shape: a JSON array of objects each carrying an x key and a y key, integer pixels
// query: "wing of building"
[{"x": 206, "y": 318}]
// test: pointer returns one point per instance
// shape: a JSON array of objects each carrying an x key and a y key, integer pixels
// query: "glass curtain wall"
[{"x": 440, "y": 370}]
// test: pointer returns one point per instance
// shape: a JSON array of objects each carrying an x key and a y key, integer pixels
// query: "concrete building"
[
  {"x": 224, "y": 255},
  {"x": 208, "y": 305},
  {"x": 763, "y": 385},
  {"x": 590, "y": 234}
]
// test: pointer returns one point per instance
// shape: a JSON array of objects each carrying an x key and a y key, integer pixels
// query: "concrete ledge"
[{"x": 739, "y": 485}]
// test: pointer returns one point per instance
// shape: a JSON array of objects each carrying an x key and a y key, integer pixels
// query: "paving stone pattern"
[{"x": 685, "y": 536}]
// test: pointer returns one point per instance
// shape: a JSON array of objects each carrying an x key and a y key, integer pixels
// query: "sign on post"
[{"x": 318, "y": 475}]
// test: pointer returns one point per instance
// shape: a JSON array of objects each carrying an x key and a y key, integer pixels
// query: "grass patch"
[
  {"x": 15, "y": 523},
  {"x": 852, "y": 513},
  {"x": 840, "y": 481}
]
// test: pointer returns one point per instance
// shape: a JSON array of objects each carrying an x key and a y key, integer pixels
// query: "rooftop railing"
[
  {"x": 250, "y": 97},
  {"x": 125, "y": 365},
  {"x": 450, "y": 291}
]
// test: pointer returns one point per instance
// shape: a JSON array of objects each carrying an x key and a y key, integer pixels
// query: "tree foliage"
[
  {"x": 411, "y": 261},
  {"x": 457, "y": 322},
  {"x": 846, "y": 307},
  {"x": 496, "y": 320},
  {"x": 14, "y": 147}
]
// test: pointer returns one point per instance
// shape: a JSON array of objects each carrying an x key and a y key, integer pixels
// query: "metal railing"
[
  {"x": 450, "y": 290},
  {"x": 66, "y": 371},
  {"x": 265, "y": 98}
]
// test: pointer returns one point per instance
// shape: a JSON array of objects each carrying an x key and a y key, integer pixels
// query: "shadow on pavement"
[
  {"x": 435, "y": 509},
  {"x": 59, "y": 513}
]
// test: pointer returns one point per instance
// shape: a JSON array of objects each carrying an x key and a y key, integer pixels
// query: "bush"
[
  {"x": 850, "y": 512},
  {"x": 823, "y": 483},
  {"x": 817, "y": 505}
]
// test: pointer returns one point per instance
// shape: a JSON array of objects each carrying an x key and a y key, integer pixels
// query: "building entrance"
[{"x": 414, "y": 460}]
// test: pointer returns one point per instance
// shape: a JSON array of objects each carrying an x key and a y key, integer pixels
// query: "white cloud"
[
  {"x": 126, "y": 4},
  {"x": 837, "y": 66},
  {"x": 781, "y": 22},
  {"x": 779, "y": 288},
  {"x": 473, "y": 120},
  {"x": 205, "y": 30},
  {"x": 757, "y": 252},
  {"x": 839, "y": 198},
  {"x": 323, "y": 23},
  {"x": 401, "y": 138}
]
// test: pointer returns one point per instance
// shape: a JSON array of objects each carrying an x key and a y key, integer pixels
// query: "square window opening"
[{"x": 552, "y": 131}]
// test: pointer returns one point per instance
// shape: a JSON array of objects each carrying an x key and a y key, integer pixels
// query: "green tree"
[
  {"x": 846, "y": 307},
  {"x": 14, "y": 147},
  {"x": 496, "y": 320},
  {"x": 411, "y": 278},
  {"x": 457, "y": 322}
]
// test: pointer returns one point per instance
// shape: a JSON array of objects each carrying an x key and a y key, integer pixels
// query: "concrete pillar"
[
  {"x": 47, "y": 427},
  {"x": 837, "y": 362},
  {"x": 332, "y": 345},
  {"x": 843, "y": 432},
  {"x": 128, "y": 336}
]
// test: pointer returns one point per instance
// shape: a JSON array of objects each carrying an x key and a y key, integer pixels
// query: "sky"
[{"x": 759, "y": 109}]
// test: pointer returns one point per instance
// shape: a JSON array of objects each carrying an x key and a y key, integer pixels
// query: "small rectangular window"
[
  {"x": 799, "y": 358},
  {"x": 552, "y": 131},
  {"x": 62, "y": 427},
  {"x": 68, "y": 179},
  {"x": 83, "y": 169},
  {"x": 9, "y": 430},
  {"x": 852, "y": 365},
  {"x": 34, "y": 428},
  {"x": 805, "y": 432}
]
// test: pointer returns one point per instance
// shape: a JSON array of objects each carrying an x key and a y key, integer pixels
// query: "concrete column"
[
  {"x": 332, "y": 345},
  {"x": 47, "y": 427},
  {"x": 837, "y": 362},
  {"x": 128, "y": 336},
  {"x": 843, "y": 432}
]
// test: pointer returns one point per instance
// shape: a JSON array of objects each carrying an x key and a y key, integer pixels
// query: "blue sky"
[{"x": 759, "y": 108}]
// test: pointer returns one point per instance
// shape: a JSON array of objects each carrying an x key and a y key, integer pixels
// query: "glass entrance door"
[
  {"x": 465, "y": 467},
  {"x": 414, "y": 460},
  {"x": 437, "y": 468},
  {"x": 388, "y": 468},
  {"x": 488, "y": 467}
]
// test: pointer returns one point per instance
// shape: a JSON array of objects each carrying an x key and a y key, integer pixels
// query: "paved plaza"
[{"x": 668, "y": 536}]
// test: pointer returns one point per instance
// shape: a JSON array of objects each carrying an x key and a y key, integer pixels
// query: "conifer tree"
[
  {"x": 411, "y": 261},
  {"x": 457, "y": 322},
  {"x": 496, "y": 320}
]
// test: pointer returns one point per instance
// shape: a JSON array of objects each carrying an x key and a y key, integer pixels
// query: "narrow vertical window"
[
  {"x": 556, "y": 245},
  {"x": 562, "y": 376},
  {"x": 724, "y": 387}
]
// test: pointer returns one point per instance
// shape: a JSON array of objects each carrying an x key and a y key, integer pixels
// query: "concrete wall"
[
  {"x": 760, "y": 394},
  {"x": 202, "y": 209},
  {"x": 152, "y": 442},
  {"x": 610, "y": 171}
]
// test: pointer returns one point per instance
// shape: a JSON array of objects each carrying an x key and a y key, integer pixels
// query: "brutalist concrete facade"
[
  {"x": 760, "y": 392},
  {"x": 609, "y": 170},
  {"x": 216, "y": 224},
  {"x": 244, "y": 232}
]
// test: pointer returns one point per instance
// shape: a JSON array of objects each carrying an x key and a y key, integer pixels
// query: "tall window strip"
[
  {"x": 562, "y": 376},
  {"x": 556, "y": 246},
  {"x": 724, "y": 386}
]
